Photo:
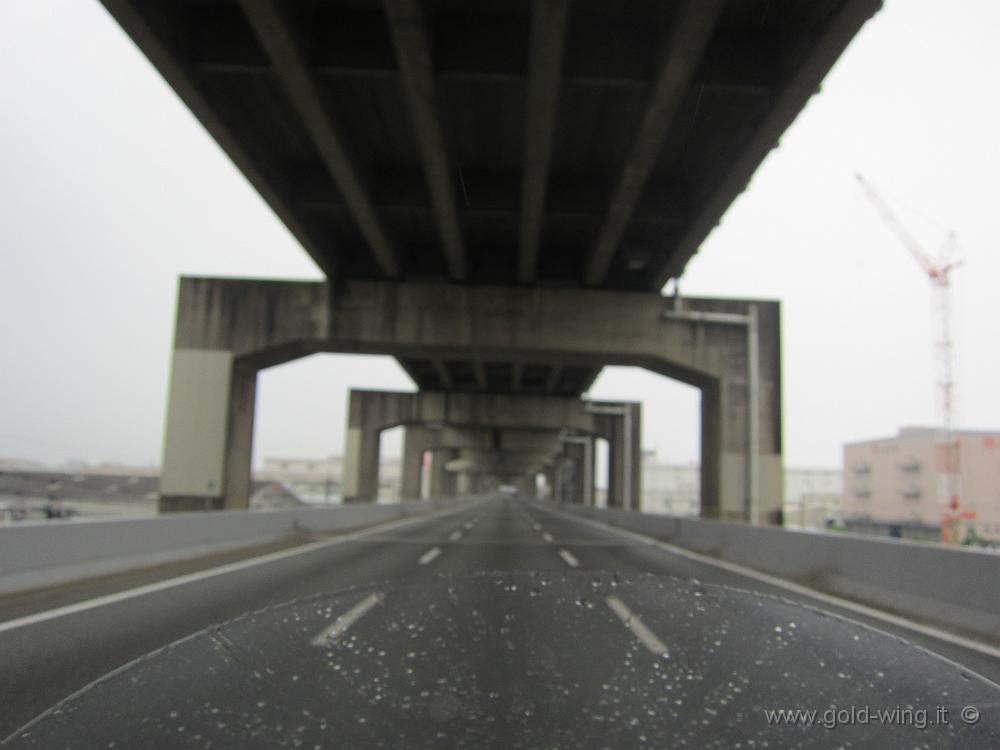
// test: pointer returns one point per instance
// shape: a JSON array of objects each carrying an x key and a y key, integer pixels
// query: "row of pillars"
[{"x": 468, "y": 447}]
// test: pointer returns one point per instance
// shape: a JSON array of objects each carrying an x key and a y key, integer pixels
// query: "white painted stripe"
[
  {"x": 538, "y": 527},
  {"x": 637, "y": 626},
  {"x": 339, "y": 626},
  {"x": 568, "y": 557},
  {"x": 877, "y": 614},
  {"x": 547, "y": 537},
  {"x": 468, "y": 525},
  {"x": 455, "y": 536},
  {"x": 152, "y": 588},
  {"x": 429, "y": 555}
]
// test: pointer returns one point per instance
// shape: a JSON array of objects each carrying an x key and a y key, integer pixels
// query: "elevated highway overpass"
[{"x": 496, "y": 192}]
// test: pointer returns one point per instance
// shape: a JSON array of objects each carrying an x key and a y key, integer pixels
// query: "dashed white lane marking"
[
  {"x": 568, "y": 557},
  {"x": 637, "y": 626},
  {"x": 547, "y": 537},
  {"x": 201, "y": 575},
  {"x": 795, "y": 588},
  {"x": 429, "y": 555},
  {"x": 339, "y": 626},
  {"x": 454, "y": 536},
  {"x": 468, "y": 525},
  {"x": 538, "y": 527}
]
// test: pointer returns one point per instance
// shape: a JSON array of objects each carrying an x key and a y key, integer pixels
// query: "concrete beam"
[
  {"x": 411, "y": 40},
  {"x": 683, "y": 51},
  {"x": 548, "y": 36},
  {"x": 268, "y": 20}
]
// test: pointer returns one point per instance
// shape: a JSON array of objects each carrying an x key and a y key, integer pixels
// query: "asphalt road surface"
[{"x": 503, "y": 624}]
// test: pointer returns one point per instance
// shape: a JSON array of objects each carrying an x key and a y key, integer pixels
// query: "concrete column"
[
  {"x": 209, "y": 435},
  {"x": 239, "y": 451},
  {"x": 416, "y": 440},
  {"x": 724, "y": 449},
  {"x": 359, "y": 483},
  {"x": 581, "y": 449},
  {"x": 464, "y": 483},
  {"x": 442, "y": 482},
  {"x": 623, "y": 433},
  {"x": 575, "y": 468}
]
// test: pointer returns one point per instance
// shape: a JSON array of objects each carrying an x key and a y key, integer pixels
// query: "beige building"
[{"x": 903, "y": 480}]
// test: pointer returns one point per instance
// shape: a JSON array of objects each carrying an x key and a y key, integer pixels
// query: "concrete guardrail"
[
  {"x": 955, "y": 588},
  {"x": 47, "y": 553}
]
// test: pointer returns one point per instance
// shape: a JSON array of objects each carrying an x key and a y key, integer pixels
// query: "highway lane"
[
  {"x": 568, "y": 613},
  {"x": 600, "y": 547},
  {"x": 42, "y": 663}
]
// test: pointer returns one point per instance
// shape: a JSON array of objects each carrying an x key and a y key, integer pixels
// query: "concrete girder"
[
  {"x": 548, "y": 36},
  {"x": 411, "y": 40},
  {"x": 688, "y": 40},
  {"x": 230, "y": 325},
  {"x": 274, "y": 29}
]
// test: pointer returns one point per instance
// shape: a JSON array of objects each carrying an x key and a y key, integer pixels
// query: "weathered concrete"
[
  {"x": 419, "y": 439},
  {"x": 255, "y": 324},
  {"x": 496, "y": 423}
]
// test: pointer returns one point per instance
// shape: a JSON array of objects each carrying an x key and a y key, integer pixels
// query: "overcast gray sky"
[{"x": 109, "y": 190}]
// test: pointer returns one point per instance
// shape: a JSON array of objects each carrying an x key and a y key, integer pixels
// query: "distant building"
[
  {"x": 812, "y": 496},
  {"x": 899, "y": 481},
  {"x": 318, "y": 480},
  {"x": 305, "y": 469}
]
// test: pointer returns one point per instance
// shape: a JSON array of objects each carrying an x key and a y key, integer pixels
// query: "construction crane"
[{"x": 938, "y": 270}]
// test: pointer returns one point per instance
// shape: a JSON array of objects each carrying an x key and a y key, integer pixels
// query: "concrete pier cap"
[{"x": 229, "y": 329}]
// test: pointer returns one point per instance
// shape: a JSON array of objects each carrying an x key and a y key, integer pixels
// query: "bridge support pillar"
[
  {"x": 624, "y": 428},
  {"x": 209, "y": 433},
  {"x": 442, "y": 482},
  {"x": 416, "y": 441}
]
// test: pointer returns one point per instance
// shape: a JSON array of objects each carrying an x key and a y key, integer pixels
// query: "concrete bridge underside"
[{"x": 496, "y": 193}]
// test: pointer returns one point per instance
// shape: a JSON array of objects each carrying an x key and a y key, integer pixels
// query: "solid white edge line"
[
  {"x": 569, "y": 558},
  {"x": 547, "y": 537},
  {"x": 429, "y": 555},
  {"x": 637, "y": 626},
  {"x": 169, "y": 583},
  {"x": 339, "y": 626},
  {"x": 863, "y": 609}
]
